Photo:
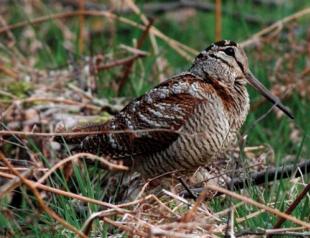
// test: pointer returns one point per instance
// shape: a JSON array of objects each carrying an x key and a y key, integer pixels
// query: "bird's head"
[{"x": 226, "y": 63}]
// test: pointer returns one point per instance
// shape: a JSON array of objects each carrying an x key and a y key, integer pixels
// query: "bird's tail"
[{"x": 73, "y": 131}]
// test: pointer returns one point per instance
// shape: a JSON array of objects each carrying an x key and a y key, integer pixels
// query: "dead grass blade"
[
  {"x": 14, "y": 183},
  {"x": 259, "y": 205},
  {"x": 291, "y": 208},
  {"x": 73, "y": 195},
  {"x": 106, "y": 163},
  {"x": 180, "y": 48},
  {"x": 81, "y": 24},
  {"x": 40, "y": 201},
  {"x": 275, "y": 27}
]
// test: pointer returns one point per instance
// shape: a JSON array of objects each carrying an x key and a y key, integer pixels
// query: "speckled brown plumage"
[{"x": 185, "y": 121}]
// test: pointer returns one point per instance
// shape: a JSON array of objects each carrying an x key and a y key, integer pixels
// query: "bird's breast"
[{"x": 202, "y": 136}]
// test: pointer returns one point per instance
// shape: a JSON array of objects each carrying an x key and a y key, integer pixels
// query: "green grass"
[{"x": 198, "y": 33}]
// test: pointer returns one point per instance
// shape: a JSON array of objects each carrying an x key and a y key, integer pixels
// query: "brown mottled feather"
[{"x": 180, "y": 104}]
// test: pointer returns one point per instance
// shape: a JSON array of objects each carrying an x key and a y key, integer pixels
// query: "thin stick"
[
  {"x": 268, "y": 175},
  {"x": 119, "y": 62},
  {"x": 57, "y": 100},
  {"x": 218, "y": 20},
  {"x": 70, "y": 195},
  {"x": 105, "y": 162},
  {"x": 291, "y": 208},
  {"x": 2, "y": 92},
  {"x": 182, "y": 200},
  {"x": 127, "y": 67},
  {"x": 154, "y": 44},
  {"x": 119, "y": 208},
  {"x": 82, "y": 133},
  {"x": 86, "y": 228},
  {"x": 257, "y": 204},
  {"x": 190, "y": 214},
  {"x": 40, "y": 201},
  {"x": 182, "y": 49},
  {"x": 249, "y": 216},
  {"x": 284, "y": 229},
  {"x": 81, "y": 23},
  {"x": 277, "y": 26},
  {"x": 24, "y": 169},
  {"x": 127, "y": 229},
  {"x": 9, "y": 72},
  {"x": 14, "y": 183},
  {"x": 190, "y": 193}
]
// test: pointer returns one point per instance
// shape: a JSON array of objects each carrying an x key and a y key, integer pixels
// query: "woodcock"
[{"x": 186, "y": 121}]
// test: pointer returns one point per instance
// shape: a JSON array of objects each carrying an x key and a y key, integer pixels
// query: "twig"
[
  {"x": 97, "y": 132},
  {"x": 119, "y": 62},
  {"x": 9, "y": 33},
  {"x": 156, "y": 231},
  {"x": 291, "y": 208},
  {"x": 57, "y": 100},
  {"x": 273, "y": 174},
  {"x": 182, "y": 200},
  {"x": 129, "y": 230},
  {"x": 13, "y": 183},
  {"x": 144, "y": 187},
  {"x": 257, "y": 204},
  {"x": 81, "y": 23},
  {"x": 70, "y": 195},
  {"x": 9, "y": 72},
  {"x": 218, "y": 20},
  {"x": 102, "y": 215},
  {"x": 190, "y": 193},
  {"x": 249, "y": 216},
  {"x": 230, "y": 232},
  {"x": 277, "y": 26},
  {"x": 182, "y": 49},
  {"x": 23, "y": 169},
  {"x": 118, "y": 208},
  {"x": 163, "y": 205},
  {"x": 105, "y": 162},
  {"x": 128, "y": 66},
  {"x": 155, "y": 8},
  {"x": 190, "y": 214},
  {"x": 147, "y": 22},
  {"x": 287, "y": 232},
  {"x": 40, "y": 201},
  {"x": 7, "y": 94},
  {"x": 268, "y": 175}
]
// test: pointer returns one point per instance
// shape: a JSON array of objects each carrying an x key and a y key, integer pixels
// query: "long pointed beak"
[{"x": 267, "y": 94}]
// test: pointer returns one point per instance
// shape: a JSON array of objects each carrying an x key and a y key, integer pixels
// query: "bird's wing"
[{"x": 151, "y": 122}]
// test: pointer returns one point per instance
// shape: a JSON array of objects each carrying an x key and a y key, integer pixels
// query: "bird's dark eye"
[{"x": 229, "y": 51}]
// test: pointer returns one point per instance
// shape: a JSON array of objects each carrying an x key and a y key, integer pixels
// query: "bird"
[{"x": 185, "y": 121}]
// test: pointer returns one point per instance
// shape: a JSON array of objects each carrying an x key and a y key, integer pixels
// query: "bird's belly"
[
  {"x": 204, "y": 135},
  {"x": 186, "y": 154}
]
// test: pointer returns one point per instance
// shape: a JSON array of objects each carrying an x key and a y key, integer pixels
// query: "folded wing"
[{"x": 151, "y": 122}]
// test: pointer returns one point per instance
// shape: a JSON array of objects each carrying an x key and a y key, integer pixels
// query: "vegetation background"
[{"x": 60, "y": 60}]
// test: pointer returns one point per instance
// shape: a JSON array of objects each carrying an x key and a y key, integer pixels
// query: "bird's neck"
[
  {"x": 240, "y": 107},
  {"x": 197, "y": 71},
  {"x": 235, "y": 98}
]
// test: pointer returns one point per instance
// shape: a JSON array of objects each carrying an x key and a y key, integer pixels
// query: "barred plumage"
[{"x": 185, "y": 121}]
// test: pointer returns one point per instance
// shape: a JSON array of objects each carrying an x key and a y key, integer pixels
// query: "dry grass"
[{"x": 30, "y": 119}]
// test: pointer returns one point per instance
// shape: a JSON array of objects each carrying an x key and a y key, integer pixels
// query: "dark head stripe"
[
  {"x": 221, "y": 44},
  {"x": 225, "y": 43}
]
